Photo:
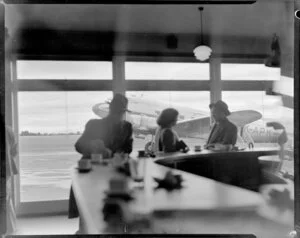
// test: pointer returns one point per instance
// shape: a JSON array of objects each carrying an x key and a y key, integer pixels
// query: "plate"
[
  {"x": 108, "y": 192},
  {"x": 83, "y": 170},
  {"x": 123, "y": 195}
]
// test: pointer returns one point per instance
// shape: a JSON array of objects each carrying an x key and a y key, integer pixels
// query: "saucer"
[{"x": 119, "y": 194}]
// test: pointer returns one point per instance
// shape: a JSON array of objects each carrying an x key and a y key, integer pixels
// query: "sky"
[{"x": 54, "y": 112}]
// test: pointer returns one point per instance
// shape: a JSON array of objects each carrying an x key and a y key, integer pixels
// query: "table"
[
  {"x": 192, "y": 155},
  {"x": 202, "y": 206},
  {"x": 239, "y": 168}
]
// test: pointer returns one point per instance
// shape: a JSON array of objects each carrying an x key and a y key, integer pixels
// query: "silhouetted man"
[
  {"x": 108, "y": 135},
  {"x": 223, "y": 132}
]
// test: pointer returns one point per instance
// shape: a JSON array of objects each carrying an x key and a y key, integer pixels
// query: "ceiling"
[{"x": 257, "y": 20}]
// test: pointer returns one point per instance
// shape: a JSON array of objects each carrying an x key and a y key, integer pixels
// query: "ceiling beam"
[
  {"x": 158, "y": 2},
  {"x": 51, "y": 42}
]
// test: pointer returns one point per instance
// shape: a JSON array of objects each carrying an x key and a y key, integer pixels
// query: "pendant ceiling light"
[
  {"x": 274, "y": 59},
  {"x": 202, "y": 52}
]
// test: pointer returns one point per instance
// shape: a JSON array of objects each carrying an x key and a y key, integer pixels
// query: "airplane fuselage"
[{"x": 143, "y": 114}]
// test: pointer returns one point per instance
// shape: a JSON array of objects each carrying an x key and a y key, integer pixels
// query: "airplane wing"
[
  {"x": 201, "y": 125},
  {"x": 193, "y": 127},
  {"x": 244, "y": 117}
]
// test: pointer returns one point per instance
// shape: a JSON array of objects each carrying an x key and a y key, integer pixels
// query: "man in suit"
[
  {"x": 108, "y": 135},
  {"x": 223, "y": 134}
]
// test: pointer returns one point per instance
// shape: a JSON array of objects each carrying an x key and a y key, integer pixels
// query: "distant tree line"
[{"x": 28, "y": 133}]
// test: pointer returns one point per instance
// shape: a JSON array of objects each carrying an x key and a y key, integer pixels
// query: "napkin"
[{"x": 170, "y": 181}]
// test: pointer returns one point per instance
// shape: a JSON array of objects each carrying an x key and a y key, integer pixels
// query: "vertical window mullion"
[
  {"x": 15, "y": 118},
  {"x": 215, "y": 80},
  {"x": 119, "y": 86}
]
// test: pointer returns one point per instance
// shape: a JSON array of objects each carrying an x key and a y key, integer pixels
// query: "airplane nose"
[{"x": 101, "y": 109}]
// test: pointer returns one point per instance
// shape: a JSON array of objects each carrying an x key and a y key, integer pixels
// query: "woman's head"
[{"x": 167, "y": 118}]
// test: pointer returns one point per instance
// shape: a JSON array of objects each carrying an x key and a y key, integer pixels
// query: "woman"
[{"x": 166, "y": 139}]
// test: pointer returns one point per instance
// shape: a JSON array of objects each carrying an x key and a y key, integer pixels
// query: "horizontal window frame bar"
[
  {"x": 141, "y": 85},
  {"x": 167, "y": 85},
  {"x": 64, "y": 85},
  {"x": 246, "y": 85}
]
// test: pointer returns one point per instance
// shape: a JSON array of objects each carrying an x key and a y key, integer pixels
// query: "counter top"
[{"x": 200, "y": 199}]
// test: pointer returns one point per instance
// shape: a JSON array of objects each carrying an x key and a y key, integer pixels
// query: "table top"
[
  {"x": 280, "y": 205},
  {"x": 179, "y": 156},
  {"x": 198, "y": 194}
]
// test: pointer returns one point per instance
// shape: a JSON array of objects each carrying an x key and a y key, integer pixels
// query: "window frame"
[{"x": 118, "y": 84}]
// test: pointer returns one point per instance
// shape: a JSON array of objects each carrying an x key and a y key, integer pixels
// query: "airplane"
[{"x": 142, "y": 113}]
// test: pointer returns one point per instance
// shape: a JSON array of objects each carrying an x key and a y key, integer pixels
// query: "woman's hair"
[{"x": 167, "y": 117}]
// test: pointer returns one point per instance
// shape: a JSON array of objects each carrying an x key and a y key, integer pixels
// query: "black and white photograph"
[{"x": 173, "y": 118}]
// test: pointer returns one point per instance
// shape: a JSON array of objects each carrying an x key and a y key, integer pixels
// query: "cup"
[
  {"x": 141, "y": 153},
  {"x": 97, "y": 158},
  {"x": 117, "y": 160},
  {"x": 133, "y": 167},
  {"x": 219, "y": 147},
  {"x": 230, "y": 147},
  {"x": 137, "y": 171},
  {"x": 84, "y": 164},
  {"x": 197, "y": 147}
]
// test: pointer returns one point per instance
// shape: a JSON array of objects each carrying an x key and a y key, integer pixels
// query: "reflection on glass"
[
  {"x": 249, "y": 72},
  {"x": 49, "y": 125},
  {"x": 272, "y": 109},
  {"x": 166, "y": 71},
  {"x": 64, "y": 70}
]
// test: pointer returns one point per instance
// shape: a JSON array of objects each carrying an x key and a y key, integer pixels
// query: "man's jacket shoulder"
[
  {"x": 230, "y": 125},
  {"x": 94, "y": 122},
  {"x": 127, "y": 124}
]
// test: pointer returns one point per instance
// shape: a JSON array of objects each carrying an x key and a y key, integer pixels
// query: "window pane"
[
  {"x": 284, "y": 86},
  {"x": 272, "y": 110},
  {"x": 146, "y": 106},
  {"x": 49, "y": 125},
  {"x": 249, "y": 72},
  {"x": 64, "y": 70},
  {"x": 166, "y": 71}
]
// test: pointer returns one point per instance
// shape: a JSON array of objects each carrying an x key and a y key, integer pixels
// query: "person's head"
[
  {"x": 219, "y": 110},
  {"x": 167, "y": 118},
  {"x": 118, "y": 107}
]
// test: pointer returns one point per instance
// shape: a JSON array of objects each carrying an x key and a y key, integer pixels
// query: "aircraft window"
[
  {"x": 49, "y": 125},
  {"x": 166, "y": 71},
  {"x": 64, "y": 70},
  {"x": 249, "y": 72}
]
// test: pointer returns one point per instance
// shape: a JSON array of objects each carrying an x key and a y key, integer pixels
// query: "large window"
[
  {"x": 49, "y": 125},
  {"x": 50, "y": 122},
  {"x": 64, "y": 70},
  {"x": 166, "y": 71},
  {"x": 146, "y": 106}
]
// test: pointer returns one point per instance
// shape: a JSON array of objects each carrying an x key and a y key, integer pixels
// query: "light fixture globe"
[{"x": 202, "y": 52}]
